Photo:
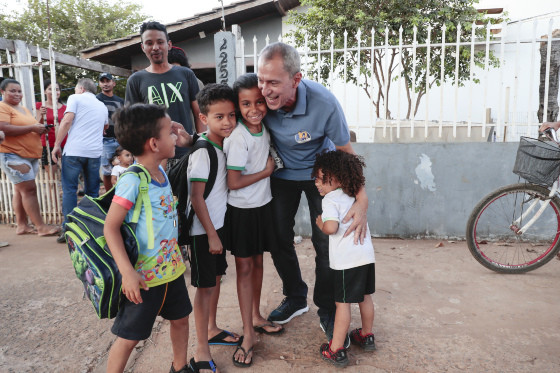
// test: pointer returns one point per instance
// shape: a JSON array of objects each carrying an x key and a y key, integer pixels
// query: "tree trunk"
[{"x": 552, "y": 110}]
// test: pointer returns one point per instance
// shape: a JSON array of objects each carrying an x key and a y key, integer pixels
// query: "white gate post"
[
  {"x": 24, "y": 75},
  {"x": 240, "y": 68},
  {"x": 224, "y": 52}
]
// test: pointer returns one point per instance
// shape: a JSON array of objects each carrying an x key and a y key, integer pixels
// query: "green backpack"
[{"x": 91, "y": 257}]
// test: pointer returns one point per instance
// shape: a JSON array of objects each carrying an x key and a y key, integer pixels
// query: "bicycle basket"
[{"x": 537, "y": 161}]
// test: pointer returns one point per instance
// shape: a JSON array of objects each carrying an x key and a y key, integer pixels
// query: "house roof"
[{"x": 117, "y": 52}]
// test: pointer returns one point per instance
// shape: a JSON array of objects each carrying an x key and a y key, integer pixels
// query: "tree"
[
  {"x": 338, "y": 16},
  {"x": 553, "y": 79},
  {"x": 75, "y": 25}
]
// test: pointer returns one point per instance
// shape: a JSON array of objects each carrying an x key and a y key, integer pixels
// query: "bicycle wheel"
[{"x": 492, "y": 226}]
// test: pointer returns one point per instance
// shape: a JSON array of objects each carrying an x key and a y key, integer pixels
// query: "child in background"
[
  {"x": 338, "y": 178},
  {"x": 208, "y": 261},
  {"x": 155, "y": 284},
  {"x": 250, "y": 229},
  {"x": 125, "y": 159}
]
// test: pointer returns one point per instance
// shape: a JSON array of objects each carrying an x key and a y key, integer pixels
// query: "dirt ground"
[{"x": 437, "y": 310}]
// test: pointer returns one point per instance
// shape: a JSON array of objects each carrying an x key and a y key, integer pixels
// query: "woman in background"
[
  {"x": 47, "y": 111},
  {"x": 19, "y": 158}
]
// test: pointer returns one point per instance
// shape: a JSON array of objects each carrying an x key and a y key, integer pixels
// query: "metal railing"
[{"x": 510, "y": 88}]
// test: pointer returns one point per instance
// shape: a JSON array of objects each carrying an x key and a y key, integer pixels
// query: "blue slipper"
[{"x": 220, "y": 339}]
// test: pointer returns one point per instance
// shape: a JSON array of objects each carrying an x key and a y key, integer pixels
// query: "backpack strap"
[
  {"x": 213, "y": 168},
  {"x": 143, "y": 199},
  {"x": 211, "y": 177}
]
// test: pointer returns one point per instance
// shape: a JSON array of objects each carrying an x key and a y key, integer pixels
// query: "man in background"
[
  {"x": 110, "y": 144},
  {"x": 164, "y": 84},
  {"x": 84, "y": 120}
]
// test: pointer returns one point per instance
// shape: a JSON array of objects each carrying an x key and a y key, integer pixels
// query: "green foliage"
[
  {"x": 385, "y": 18},
  {"x": 75, "y": 25}
]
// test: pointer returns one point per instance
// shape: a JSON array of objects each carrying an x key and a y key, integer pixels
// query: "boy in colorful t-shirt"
[{"x": 154, "y": 285}]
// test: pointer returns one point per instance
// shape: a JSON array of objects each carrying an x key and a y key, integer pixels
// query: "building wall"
[
  {"x": 200, "y": 51},
  {"x": 427, "y": 189}
]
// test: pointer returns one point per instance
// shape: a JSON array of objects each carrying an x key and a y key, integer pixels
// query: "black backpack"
[{"x": 177, "y": 176}]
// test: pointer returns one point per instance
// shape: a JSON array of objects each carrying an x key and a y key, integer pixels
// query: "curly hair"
[
  {"x": 153, "y": 25},
  {"x": 343, "y": 167}
]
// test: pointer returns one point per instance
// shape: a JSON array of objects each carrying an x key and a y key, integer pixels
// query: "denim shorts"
[
  {"x": 15, "y": 176},
  {"x": 109, "y": 146}
]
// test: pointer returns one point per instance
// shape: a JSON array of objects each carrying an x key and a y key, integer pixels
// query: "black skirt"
[{"x": 250, "y": 231}]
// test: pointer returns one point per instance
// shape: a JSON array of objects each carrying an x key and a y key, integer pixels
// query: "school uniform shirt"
[
  {"x": 343, "y": 253},
  {"x": 117, "y": 170},
  {"x": 164, "y": 263},
  {"x": 248, "y": 152},
  {"x": 198, "y": 169}
]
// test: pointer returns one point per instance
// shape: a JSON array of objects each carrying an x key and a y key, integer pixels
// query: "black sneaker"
[
  {"x": 338, "y": 358},
  {"x": 286, "y": 311},
  {"x": 61, "y": 238},
  {"x": 328, "y": 328},
  {"x": 367, "y": 342},
  {"x": 185, "y": 369}
]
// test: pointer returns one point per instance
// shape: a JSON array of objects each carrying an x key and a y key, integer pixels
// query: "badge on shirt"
[{"x": 302, "y": 136}]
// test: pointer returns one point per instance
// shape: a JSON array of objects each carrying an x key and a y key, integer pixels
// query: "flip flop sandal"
[
  {"x": 32, "y": 231},
  {"x": 261, "y": 329},
  {"x": 242, "y": 364},
  {"x": 220, "y": 339},
  {"x": 53, "y": 232},
  {"x": 197, "y": 365}
]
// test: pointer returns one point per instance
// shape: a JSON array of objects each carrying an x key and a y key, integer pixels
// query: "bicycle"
[{"x": 516, "y": 228}]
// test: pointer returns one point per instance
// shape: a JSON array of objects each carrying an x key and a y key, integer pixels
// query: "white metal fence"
[
  {"x": 19, "y": 65},
  {"x": 25, "y": 63},
  {"x": 502, "y": 106}
]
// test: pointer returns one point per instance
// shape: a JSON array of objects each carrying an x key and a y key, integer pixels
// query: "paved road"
[{"x": 437, "y": 310}]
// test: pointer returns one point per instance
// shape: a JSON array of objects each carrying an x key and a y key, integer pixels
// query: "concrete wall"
[{"x": 427, "y": 189}]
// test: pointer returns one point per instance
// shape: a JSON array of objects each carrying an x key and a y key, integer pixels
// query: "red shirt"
[{"x": 50, "y": 121}]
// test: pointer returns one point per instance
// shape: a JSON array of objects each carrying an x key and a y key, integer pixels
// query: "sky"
[{"x": 168, "y": 11}]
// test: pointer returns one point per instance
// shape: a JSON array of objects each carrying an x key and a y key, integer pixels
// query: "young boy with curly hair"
[{"x": 338, "y": 178}]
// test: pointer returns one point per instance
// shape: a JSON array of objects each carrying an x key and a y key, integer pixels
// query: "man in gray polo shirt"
[{"x": 304, "y": 119}]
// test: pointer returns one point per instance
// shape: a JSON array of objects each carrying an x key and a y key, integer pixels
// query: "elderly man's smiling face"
[{"x": 277, "y": 86}]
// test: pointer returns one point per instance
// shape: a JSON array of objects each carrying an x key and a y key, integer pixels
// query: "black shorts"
[
  {"x": 135, "y": 321},
  {"x": 205, "y": 266},
  {"x": 350, "y": 285},
  {"x": 249, "y": 231}
]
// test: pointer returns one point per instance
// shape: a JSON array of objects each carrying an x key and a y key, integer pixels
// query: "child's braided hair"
[{"x": 346, "y": 168}]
